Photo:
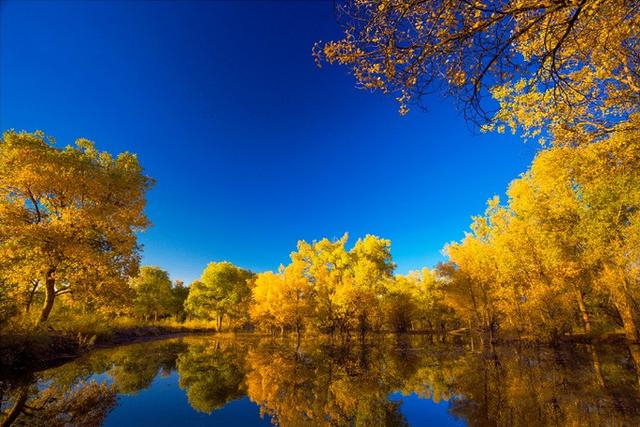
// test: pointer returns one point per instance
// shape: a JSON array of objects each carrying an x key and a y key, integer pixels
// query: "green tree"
[
  {"x": 223, "y": 290},
  {"x": 153, "y": 293},
  {"x": 212, "y": 374},
  {"x": 179, "y": 294}
]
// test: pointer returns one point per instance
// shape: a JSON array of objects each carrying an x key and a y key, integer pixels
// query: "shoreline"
[{"x": 23, "y": 353}]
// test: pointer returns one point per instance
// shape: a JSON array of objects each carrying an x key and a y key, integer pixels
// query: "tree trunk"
[
  {"x": 628, "y": 316},
  {"x": 17, "y": 407},
  {"x": 586, "y": 319},
  {"x": 634, "y": 351},
  {"x": 597, "y": 366},
  {"x": 363, "y": 327},
  {"x": 50, "y": 295},
  {"x": 32, "y": 293}
]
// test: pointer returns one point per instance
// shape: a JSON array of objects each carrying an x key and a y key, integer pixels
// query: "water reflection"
[{"x": 389, "y": 382}]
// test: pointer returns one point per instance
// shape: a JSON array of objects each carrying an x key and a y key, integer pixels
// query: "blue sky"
[{"x": 252, "y": 146}]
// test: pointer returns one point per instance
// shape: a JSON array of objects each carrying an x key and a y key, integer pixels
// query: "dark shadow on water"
[{"x": 382, "y": 382}]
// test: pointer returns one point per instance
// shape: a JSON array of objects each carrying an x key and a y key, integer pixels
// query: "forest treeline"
[{"x": 559, "y": 256}]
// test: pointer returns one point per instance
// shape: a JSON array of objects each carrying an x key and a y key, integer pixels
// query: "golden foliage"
[
  {"x": 567, "y": 67},
  {"x": 68, "y": 219},
  {"x": 564, "y": 248}
]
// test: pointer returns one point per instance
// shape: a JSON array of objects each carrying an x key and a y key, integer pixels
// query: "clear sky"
[{"x": 252, "y": 146}]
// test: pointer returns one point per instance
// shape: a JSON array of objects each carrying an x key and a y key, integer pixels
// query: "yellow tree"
[
  {"x": 472, "y": 278},
  {"x": 566, "y": 244},
  {"x": 263, "y": 303},
  {"x": 427, "y": 292},
  {"x": 153, "y": 292},
  {"x": 546, "y": 205},
  {"x": 571, "y": 66},
  {"x": 327, "y": 286},
  {"x": 324, "y": 264},
  {"x": 285, "y": 299},
  {"x": 295, "y": 298},
  {"x": 576, "y": 210},
  {"x": 67, "y": 215},
  {"x": 360, "y": 294},
  {"x": 607, "y": 177},
  {"x": 531, "y": 298},
  {"x": 399, "y": 304}
]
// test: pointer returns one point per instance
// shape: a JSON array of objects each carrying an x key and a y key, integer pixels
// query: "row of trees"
[
  {"x": 563, "y": 253},
  {"x": 331, "y": 289},
  {"x": 69, "y": 219},
  {"x": 561, "y": 256}
]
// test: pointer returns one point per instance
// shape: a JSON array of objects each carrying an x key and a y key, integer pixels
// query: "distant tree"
[
  {"x": 472, "y": 281},
  {"x": 179, "y": 295},
  {"x": 196, "y": 303},
  {"x": 416, "y": 301},
  {"x": 370, "y": 270},
  {"x": 264, "y": 301},
  {"x": 325, "y": 264},
  {"x": 326, "y": 286},
  {"x": 68, "y": 217},
  {"x": 399, "y": 306},
  {"x": 153, "y": 293},
  {"x": 223, "y": 290},
  {"x": 284, "y": 299}
]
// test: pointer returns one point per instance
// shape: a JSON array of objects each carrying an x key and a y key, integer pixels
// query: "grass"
[{"x": 23, "y": 345}]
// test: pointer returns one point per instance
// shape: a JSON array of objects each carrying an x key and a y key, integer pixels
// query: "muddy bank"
[{"x": 24, "y": 352}]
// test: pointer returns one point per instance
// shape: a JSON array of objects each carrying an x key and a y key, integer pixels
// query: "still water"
[{"x": 251, "y": 381}]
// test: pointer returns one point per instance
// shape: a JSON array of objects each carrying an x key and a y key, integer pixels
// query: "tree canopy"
[
  {"x": 569, "y": 68},
  {"x": 153, "y": 293},
  {"x": 223, "y": 290},
  {"x": 68, "y": 218},
  {"x": 564, "y": 247}
]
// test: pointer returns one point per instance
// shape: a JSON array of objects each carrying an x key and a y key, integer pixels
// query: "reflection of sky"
[
  {"x": 102, "y": 378},
  {"x": 425, "y": 412},
  {"x": 165, "y": 404}
]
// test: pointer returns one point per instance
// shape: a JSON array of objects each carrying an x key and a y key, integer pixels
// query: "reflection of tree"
[
  {"x": 70, "y": 398},
  {"x": 573, "y": 386},
  {"x": 511, "y": 386},
  {"x": 317, "y": 383},
  {"x": 212, "y": 374},
  {"x": 322, "y": 385},
  {"x": 136, "y": 366},
  {"x": 84, "y": 404}
]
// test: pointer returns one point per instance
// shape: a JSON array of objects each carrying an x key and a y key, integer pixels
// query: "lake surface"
[{"x": 393, "y": 381}]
